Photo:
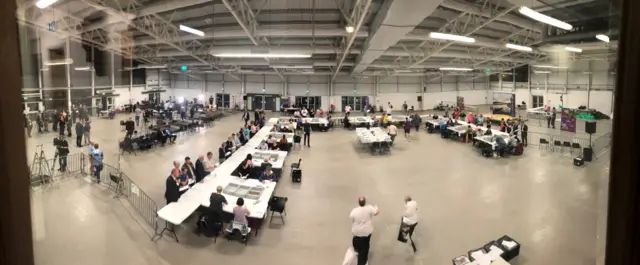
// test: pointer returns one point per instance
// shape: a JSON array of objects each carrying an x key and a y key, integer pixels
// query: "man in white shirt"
[
  {"x": 347, "y": 109},
  {"x": 361, "y": 228},
  {"x": 410, "y": 217},
  {"x": 393, "y": 131},
  {"x": 389, "y": 109}
]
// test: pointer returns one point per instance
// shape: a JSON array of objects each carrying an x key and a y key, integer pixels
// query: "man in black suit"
[
  {"x": 200, "y": 172},
  {"x": 524, "y": 131},
  {"x": 172, "y": 192},
  {"x": 307, "y": 133}
]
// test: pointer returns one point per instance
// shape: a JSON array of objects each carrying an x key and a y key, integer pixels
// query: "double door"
[
  {"x": 538, "y": 101},
  {"x": 264, "y": 102}
]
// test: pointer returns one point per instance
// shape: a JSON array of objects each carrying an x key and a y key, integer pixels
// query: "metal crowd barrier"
[
  {"x": 601, "y": 144},
  {"x": 123, "y": 186},
  {"x": 557, "y": 143},
  {"x": 47, "y": 171}
]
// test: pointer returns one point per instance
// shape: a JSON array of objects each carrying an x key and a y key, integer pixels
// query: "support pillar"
[
  {"x": 590, "y": 84},
  {"x": 422, "y": 91},
  {"x": 529, "y": 97},
  {"x": 67, "y": 53},
  {"x": 93, "y": 82},
  {"x": 500, "y": 81},
  {"x": 131, "y": 82}
]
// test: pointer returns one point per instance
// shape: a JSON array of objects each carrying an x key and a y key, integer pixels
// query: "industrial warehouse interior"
[{"x": 479, "y": 131}]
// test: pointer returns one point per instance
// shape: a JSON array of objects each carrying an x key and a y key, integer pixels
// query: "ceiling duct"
[{"x": 394, "y": 20}]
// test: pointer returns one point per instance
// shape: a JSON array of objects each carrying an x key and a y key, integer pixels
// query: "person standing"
[
  {"x": 138, "y": 114},
  {"x": 87, "y": 131},
  {"x": 79, "y": 133},
  {"x": 246, "y": 117},
  {"x": 553, "y": 117},
  {"x": 63, "y": 151},
  {"x": 524, "y": 131},
  {"x": 362, "y": 228},
  {"x": 61, "y": 123},
  {"x": 97, "y": 161},
  {"x": 410, "y": 217},
  {"x": 407, "y": 129},
  {"x": 415, "y": 121},
  {"x": 68, "y": 123},
  {"x": 40, "y": 121},
  {"x": 307, "y": 134},
  {"x": 405, "y": 107},
  {"x": 548, "y": 116},
  {"x": 29, "y": 126}
]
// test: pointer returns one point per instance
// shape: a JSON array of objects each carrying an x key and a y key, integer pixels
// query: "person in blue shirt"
[
  {"x": 307, "y": 134},
  {"x": 500, "y": 145},
  {"x": 97, "y": 156},
  {"x": 247, "y": 132},
  {"x": 268, "y": 175}
]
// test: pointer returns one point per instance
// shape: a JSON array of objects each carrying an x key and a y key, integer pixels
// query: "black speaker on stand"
[{"x": 587, "y": 152}]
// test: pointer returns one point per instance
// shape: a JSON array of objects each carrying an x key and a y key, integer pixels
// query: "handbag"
[
  {"x": 403, "y": 232},
  {"x": 350, "y": 257}
]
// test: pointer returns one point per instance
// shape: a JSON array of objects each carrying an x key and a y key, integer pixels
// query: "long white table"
[
  {"x": 278, "y": 135},
  {"x": 373, "y": 135},
  {"x": 198, "y": 195}
]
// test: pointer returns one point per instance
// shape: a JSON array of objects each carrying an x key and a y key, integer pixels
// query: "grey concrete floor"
[{"x": 465, "y": 200}]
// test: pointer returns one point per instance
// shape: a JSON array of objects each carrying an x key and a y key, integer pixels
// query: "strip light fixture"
[
  {"x": 349, "y": 29},
  {"x": 59, "y": 62},
  {"x": 550, "y": 66},
  {"x": 42, "y": 4},
  {"x": 541, "y": 72},
  {"x": 573, "y": 49},
  {"x": 455, "y": 69},
  {"x": 603, "y": 37},
  {"x": 262, "y": 55},
  {"x": 192, "y": 30},
  {"x": 544, "y": 18},
  {"x": 444, "y": 36},
  {"x": 518, "y": 47},
  {"x": 83, "y": 68}
]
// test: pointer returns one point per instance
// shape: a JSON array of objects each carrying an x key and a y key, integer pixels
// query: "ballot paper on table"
[
  {"x": 495, "y": 252},
  {"x": 483, "y": 259}
]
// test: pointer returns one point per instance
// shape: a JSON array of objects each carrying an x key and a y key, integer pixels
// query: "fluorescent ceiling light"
[
  {"x": 403, "y": 71},
  {"x": 83, "y": 68},
  {"x": 45, "y": 3},
  {"x": 349, "y": 29},
  {"x": 191, "y": 30},
  {"x": 265, "y": 55},
  {"x": 59, "y": 62},
  {"x": 443, "y": 36},
  {"x": 518, "y": 47},
  {"x": 44, "y": 69},
  {"x": 602, "y": 37},
  {"x": 152, "y": 66},
  {"x": 284, "y": 66},
  {"x": 455, "y": 69},
  {"x": 541, "y": 72},
  {"x": 544, "y": 18},
  {"x": 572, "y": 49},
  {"x": 106, "y": 91},
  {"x": 550, "y": 66}
]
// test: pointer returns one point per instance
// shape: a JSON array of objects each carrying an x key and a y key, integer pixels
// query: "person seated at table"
[
  {"x": 200, "y": 171},
  {"x": 247, "y": 132},
  {"x": 277, "y": 126},
  {"x": 283, "y": 140},
  {"x": 166, "y": 134},
  {"x": 263, "y": 146},
  {"x": 222, "y": 152},
  {"x": 501, "y": 145},
  {"x": 443, "y": 125},
  {"x": 319, "y": 112},
  {"x": 240, "y": 213},
  {"x": 190, "y": 169},
  {"x": 385, "y": 120},
  {"x": 268, "y": 175},
  {"x": 450, "y": 122},
  {"x": 480, "y": 120},
  {"x": 346, "y": 122},
  {"x": 271, "y": 141},
  {"x": 245, "y": 169},
  {"x": 469, "y": 134},
  {"x": 236, "y": 140},
  {"x": 209, "y": 163},
  {"x": 488, "y": 132},
  {"x": 252, "y": 130},
  {"x": 304, "y": 113},
  {"x": 470, "y": 117},
  {"x": 230, "y": 148},
  {"x": 184, "y": 177},
  {"x": 266, "y": 163}
]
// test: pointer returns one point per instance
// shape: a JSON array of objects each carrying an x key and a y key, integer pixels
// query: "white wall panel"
[
  {"x": 479, "y": 86},
  {"x": 523, "y": 95},
  {"x": 432, "y": 88},
  {"x": 254, "y": 88},
  {"x": 575, "y": 98},
  {"x": 318, "y": 89},
  {"x": 474, "y": 97},
  {"x": 448, "y": 87},
  {"x": 364, "y": 89},
  {"x": 343, "y": 89},
  {"x": 397, "y": 99},
  {"x": 388, "y": 88},
  {"x": 319, "y": 79},
  {"x": 273, "y": 88},
  {"x": 389, "y": 80},
  {"x": 299, "y": 79},
  {"x": 232, "y": 87},
  {"x": 123, "y": 98},
  {"x": 214, "y": 87},
  {"x": 601, "y": 100},
  {"x": 298, "y": 89},
  {"x": 136, "y": 94},
  {"x": 409, "y": 88}
]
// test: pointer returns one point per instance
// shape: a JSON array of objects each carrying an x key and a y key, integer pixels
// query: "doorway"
[
  {"x": 309, "y": 102},
  {"x": 538, "y": 101},
  {"x": 264, "y": 102}
]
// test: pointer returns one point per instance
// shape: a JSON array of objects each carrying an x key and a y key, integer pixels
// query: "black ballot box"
[
  {"x": 510, "y": 246},
  {"x": 578, "y": 162}
]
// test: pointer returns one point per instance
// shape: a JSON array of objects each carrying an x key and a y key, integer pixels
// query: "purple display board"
[
  {"x": 504, "y": 103},
  {"x": 568, "y": 120}
]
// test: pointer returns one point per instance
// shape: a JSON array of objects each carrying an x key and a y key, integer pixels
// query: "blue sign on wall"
[
  {"x": 52, "y": 26},
  {"x": 183, "y": 68}
]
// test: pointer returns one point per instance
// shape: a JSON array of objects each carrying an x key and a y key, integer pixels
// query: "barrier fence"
[
  {"x": 45, "y": 171},
  {"x": 601, "y": 144}
]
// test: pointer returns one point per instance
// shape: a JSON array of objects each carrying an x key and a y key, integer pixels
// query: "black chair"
[
  {"x": 567, "y": 145},
  {"x": 575, "y": 146},
  {"x": 296, "y": 172},
  {"x": 544, "y": 142},
  {"x": 557, "y": 143},
  {"x": 277, "y": 205},
  {"x": 116, "y": 180}
]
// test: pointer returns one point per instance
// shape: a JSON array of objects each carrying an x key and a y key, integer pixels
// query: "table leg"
[{"x": 167, "y": 227}]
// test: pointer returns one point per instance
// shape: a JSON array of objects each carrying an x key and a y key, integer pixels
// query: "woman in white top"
[{"x": 347, "y": 109}]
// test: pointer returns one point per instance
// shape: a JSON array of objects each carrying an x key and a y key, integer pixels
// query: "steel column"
[{"x": 67, "y": 53}]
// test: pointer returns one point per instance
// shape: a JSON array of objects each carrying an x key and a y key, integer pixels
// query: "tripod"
[{"x": 40, "y": 170}]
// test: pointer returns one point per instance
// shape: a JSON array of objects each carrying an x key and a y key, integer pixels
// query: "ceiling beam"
[
  {"x": 160, "y": 29},
  {"x": 242, "y": 12},
  {"x": 359, "y": 13}
]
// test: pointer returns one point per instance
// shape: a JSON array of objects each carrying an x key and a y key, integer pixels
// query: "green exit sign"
[
  {"x": 488, "y": 70},
  {"x": 354, "y": 91}
]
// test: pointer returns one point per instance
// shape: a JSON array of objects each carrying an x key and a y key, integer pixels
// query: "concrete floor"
[{"x": 552, "y": 208}]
